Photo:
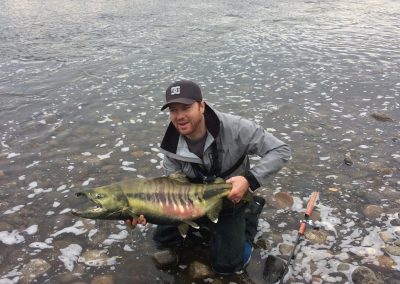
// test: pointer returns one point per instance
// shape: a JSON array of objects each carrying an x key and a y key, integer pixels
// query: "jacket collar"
[{"x": 171, "y": 137}]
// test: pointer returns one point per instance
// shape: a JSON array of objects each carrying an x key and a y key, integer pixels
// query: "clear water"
[{"x": 81, "y": 86}]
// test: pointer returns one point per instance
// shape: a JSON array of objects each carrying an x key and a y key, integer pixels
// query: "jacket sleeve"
[
  {"x": 170, "y": 165},
  {"x": 273, "y": 152}
]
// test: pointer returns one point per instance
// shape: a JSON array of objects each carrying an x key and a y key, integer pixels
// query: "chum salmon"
[{"x": 162, "y": 200}]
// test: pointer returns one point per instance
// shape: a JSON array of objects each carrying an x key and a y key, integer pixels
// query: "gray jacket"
[{"x": 234, "y": 136}]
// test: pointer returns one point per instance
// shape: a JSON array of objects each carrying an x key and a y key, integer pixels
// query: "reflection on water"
[{"x": 81, "y": 85}]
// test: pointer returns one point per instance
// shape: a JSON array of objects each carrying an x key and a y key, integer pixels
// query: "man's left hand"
[{"x": 240, "y": 185}]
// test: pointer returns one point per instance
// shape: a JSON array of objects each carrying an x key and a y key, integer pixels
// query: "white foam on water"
[
  {"x": 119, "y": 143},
  {"x": 86, "y": 182},
  {"x": 11, "y": 238},
  {"x": 13, "y": 155},
  {"x": 76, "y": 229},
  {"x": 69, "y": 255},
  {"x": 128, "y": 169},
  {"x": 14, "y": 209},
  {"x": 106, "y": 118},
  {"x": 56, "y": 204},
  {"x": 122, "y": 235},
  {"x": 66, "y": 210},
  {"x": 34, "y": 163},
  {"x": 99, "y": 262},
  {"x": 31, "y": 230},
  {"x": 105, "y": 156},
  {"x": 364, "y": 147},
  {"x": 40, "y": 245},
  {"x": 324, "y": 158},
  {"x": 124, "y": 149},
  {"x": 61, "y": 187},
  {"x": 22, "y": 177},
  {"x": 86, "y": 154},
  {"x": 32, "y": 185},
  {"x": 91, "y": 233}
]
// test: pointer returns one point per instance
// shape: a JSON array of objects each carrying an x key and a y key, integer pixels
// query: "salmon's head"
[{"x": 109, "y": 203}]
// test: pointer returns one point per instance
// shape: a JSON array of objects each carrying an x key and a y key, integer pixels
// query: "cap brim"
[{"x": 184, "y": 101}]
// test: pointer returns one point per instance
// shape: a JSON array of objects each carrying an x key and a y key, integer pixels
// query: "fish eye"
[{"x": 99, "y": 196}]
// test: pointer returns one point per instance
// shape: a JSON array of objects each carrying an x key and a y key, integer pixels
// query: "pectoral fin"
[
  {"x": 183, "y": 229},
  {"x": 192, "y": 224},
  {"x": 213, "y": 213}
]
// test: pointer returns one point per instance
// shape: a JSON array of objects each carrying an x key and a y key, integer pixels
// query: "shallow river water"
[{"x": 81, "y": 86}]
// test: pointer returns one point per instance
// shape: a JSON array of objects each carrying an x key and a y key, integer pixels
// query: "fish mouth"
[{"x": 94, "y": 211}]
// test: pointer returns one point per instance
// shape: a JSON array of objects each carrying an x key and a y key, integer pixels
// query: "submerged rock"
[
  {"x": 372, "y": 211},
  {"x": 348, "y": 160},
  {"x": 364, "y": 275},
  {"x": 165, "y": 258},
  {"x": 285, "y": 249},
  {"x": 33, "y": 269},
  {"x": 393, "y": 250},
  {"x": 94, "y": 258},
  {"x": 386, "y": 262},
  {"x": 316, "y": 236},
  {"x": 198, "y": 270},
  {"x": 103, "y": 279},
  {"x": 283, "y": 200},
  {"x": 381, "y": 116}
]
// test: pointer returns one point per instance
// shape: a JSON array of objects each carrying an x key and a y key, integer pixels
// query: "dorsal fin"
[
  {"x": 179, "y": 176},
  {"x": 213, "y": 213},
  {"x": 219, "y": 180}
]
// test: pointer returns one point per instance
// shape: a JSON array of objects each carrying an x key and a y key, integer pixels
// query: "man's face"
[{"x": 187, "y": 119}]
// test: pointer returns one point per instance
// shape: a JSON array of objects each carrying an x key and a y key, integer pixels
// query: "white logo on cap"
[{"x": 176, "y": 90}]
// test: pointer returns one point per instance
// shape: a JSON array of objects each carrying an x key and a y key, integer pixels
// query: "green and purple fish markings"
[{"x": 162, "y": 200}]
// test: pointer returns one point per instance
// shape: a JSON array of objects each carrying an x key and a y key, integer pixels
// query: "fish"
[{"x": 162, "y": 200}]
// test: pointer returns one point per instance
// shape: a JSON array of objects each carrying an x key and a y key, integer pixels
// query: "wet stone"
[
  {"x": 316, "y": 236},
  {"x": 285, "y": 249},
  {"x": 263, "y": 244},
  {"x": 393, "y": 250},
  {"x": 137, "y": 154},
  {"x": 5, "y": 227},
  {"x": 94, "y": 258},
  {"x": 283, "y": 200},
  {"x": 103, "y": 279},
  {"x": 165, "y": 258},
  {"x": 372, "y": 211},
  {"x": 381, "y": 116},
  {"x": 386, "y": 237},
  {"x": 386, "y": 172},
  {"x": 386, "y": 262},
  {"x": 364, "y": 275},
  {"x": 198, "y": 270},
  {"x": 343, "y": 267},
  {"x": 33, "y": 269},
  {"x": 348, "y": 160},
  {"x": 276, "y": 238}
]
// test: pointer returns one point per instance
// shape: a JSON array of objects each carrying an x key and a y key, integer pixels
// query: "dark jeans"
[{"x": 227, "y": 237}]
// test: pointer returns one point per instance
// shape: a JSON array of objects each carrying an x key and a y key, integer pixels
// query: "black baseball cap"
[{"x": 184, "y": 92}]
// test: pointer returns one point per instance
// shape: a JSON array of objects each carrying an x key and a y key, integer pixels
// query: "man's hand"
[
  {"x": 131, "y": 223},
  {"x": 240, "y": 185}
]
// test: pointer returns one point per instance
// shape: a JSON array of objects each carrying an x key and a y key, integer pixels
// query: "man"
[{"x": 204, "y": 143}]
